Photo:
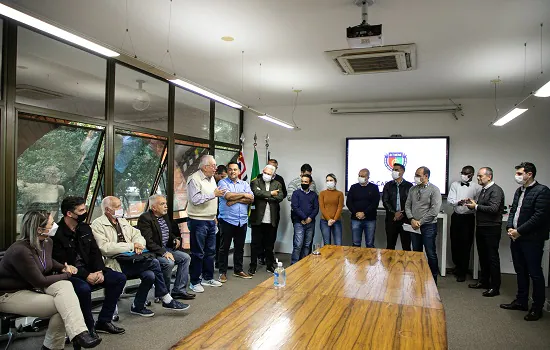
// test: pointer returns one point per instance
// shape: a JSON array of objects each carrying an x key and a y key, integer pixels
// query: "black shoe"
[
  {"x": 270, "y": 269},
  {"x": 261, "y": 261},
  {"x": 491, "y": 293},
  {"x": 252, "y": 271},
  {"x": 478, "y": 285},
  {"x": 461, "y": 278},
  {"x": 183, "y": 296},
  {"x": 85, "y": 340},
  {"x": 94, "y": 334},
  {"x": 108, "y": 327},
  {"x": 533, "y": 315},
  {"x": 514, "y": 305}
]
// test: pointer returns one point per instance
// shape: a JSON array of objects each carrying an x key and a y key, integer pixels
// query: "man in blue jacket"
[
  {"x": 305, "y": 206},
  {"x": 528, "y": 226}
]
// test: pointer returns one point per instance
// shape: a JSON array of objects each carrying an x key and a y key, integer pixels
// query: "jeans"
[
  {"x": 427, "y": 240},
  {"x": 394, "y": 229},
  {"x": 303, "y": 236},
  {"x": 150, "y": 274},
  {"x": 331, "y": 231},
  {"x": 357, "y": 228},
  {"x": 203, "y": 249},
  {"x": 113, "y": 285},
  {"x": 182, "y": 260},
  {"x": 238, "y": 235},
  {"x": 527, "y": 258},
  {"x": 263, "y": 239},
  {"x": 488, "y": 241}
]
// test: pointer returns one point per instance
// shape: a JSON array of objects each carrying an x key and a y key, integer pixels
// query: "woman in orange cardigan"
[{"x": 331, "y": 202}]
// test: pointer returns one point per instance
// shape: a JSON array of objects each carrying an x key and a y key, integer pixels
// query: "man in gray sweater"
[
  {"x": 489, "y": 207},
  {"x": 422, "y": 206}
]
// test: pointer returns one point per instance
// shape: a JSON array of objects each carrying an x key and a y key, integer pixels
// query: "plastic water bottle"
[{"x": 279, "y": 280}]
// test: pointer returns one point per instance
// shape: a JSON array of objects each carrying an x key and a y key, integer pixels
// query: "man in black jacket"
[
  {"x": 394, "y": 196},
  {"x": 489, "y": 208},
  {"x": 74, "y": 244},
  {"x": 163, "y": 239},
  {"x": 528, "y": 226},
  {"x": 264, "y": 217},
  {"x": 362, "y": 202}
]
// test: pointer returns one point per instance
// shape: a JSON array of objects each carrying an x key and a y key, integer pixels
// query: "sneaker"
[
  {"x": 175, "y": 305},
  {"x": 270, "y": 269},
  {"x": 242, "y": 274},
  {"x": 157, "y": 300},
  {"x": 145, "y": 312},
  {"x": 222, "y": 278},
  {"x": 211, "y": 283},
  {"x": 197, "y": 288},
  {"x": 251, "y": 271}
]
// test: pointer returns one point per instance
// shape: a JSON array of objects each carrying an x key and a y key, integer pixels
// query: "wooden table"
[{"x": 345, "y": 298}]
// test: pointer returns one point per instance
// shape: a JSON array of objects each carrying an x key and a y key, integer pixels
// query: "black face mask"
[
  {"x": 305, "y": 187},
  {"x": 82, "y": 217}
]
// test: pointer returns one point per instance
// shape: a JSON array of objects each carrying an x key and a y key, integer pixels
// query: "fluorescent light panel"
[
  {"x": 53, "y": 30},
  {"x": 203, "y": 92},
  {"x": 514, "y": 113},
  {"x": 544, "y": 91},
  {"x": 276, "y": 121}
]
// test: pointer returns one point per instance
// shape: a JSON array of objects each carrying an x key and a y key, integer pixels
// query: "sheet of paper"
[{"x": 409, "y": 228}]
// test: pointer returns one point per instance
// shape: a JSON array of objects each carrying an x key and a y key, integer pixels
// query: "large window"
[
  {"x": 226, "y": 155},
  {"x": 138, "y": 163},
  {"x": 226, "y": 124},
  {"x": 55, "y": 158},
  {"x": 192, "y": 114},
  {"x": 140, "y": 99},
  {"x": 57, "y": 76}
]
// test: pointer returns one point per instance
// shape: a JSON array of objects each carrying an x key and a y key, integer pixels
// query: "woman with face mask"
[
  {"x": 331, "y": 203},
  {"x": 28, "y": 285}
]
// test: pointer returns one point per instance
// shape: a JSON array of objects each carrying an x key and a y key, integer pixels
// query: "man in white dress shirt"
[{"x": 462, "y": 221}]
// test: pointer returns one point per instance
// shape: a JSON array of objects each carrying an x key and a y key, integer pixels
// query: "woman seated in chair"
[{"x": 33, "y": 284}]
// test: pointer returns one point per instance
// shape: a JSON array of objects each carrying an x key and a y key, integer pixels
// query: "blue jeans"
[
  {"x": 113, "y": 285},
  {"x": 357, "y": 228},
  {"x": 334, "y": 231},
  {"x": 303, "y": 236},
  {"x": 150, "y": 274},
  {"x": 427, "y": 240},
  {"x": 182, "y": 260},
  {"x": 203, "y": 249}
]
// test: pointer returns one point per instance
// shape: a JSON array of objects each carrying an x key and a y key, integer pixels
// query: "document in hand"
[{"x": 409, "y": 228}]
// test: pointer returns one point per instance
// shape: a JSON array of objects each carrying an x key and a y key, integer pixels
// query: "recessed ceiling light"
[{"x": 228, "y": 38}]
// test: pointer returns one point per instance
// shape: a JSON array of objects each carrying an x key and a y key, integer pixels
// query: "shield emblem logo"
[{"x": 394, "y": 157}]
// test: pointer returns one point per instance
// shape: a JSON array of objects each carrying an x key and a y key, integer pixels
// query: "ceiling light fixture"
[
  {"x": 53, "y": 30},
  {"x": 276, "y": 121},
  {"x": 142, "y": 101},
  {"x": 228, "y": 38},
  {"x": 205, "y": 93},
  {"x": 544, "y": 91},
  {"x": 514, "y": 113}
]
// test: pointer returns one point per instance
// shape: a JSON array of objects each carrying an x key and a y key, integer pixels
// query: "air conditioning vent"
[
  {"x": 37, "y": 94},
  {"x": 375, "y": 60}
]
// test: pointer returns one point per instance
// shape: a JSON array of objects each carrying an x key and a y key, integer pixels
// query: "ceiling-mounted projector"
[{"x": 364, "y": 35}]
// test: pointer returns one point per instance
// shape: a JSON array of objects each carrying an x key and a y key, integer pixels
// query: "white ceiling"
[{"x": 461, "y": 45}]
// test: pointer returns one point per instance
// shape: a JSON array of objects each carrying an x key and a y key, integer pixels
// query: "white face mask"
[
  {"x": 418, "y": 180},
  {"x": 519, "y": 179},
  {"x": 395, "y": 175},
  {"x": 464, "y": 178},
  {"x": 331, "y": 185},
  {"x": 119, "y": 213},
  {"x": 51, "y": 232},
  {"x": 267, "y": 178},
  {"x": 361, "y": 180}
]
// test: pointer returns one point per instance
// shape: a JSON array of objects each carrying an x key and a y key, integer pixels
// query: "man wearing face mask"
[
  {"x": 422, "y": 207},
  {"x": 362, "y": 202},
  {"x": 528, "y": 225},
  {"x": 394, "y": 197},
  {"x": 305, "y": 207},
  {"x": 75, "y": 244},
  {"x": 463, "y": 222},
  {"x": 489, "y": 208},
  {"x": 264, "y": 217}
]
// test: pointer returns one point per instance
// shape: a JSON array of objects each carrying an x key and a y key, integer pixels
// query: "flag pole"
[{"x": 266, "y": 148}]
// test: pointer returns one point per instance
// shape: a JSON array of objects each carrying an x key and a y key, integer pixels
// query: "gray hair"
[
  {"x": 205, "y": 160},
  {"x": 269, "y": 166},
  {"x": 107, "y": 202},
  {"x": 488, "y": 171},
  {"x": 153, "y": 199},
  {"x": 32, "y": 220}
]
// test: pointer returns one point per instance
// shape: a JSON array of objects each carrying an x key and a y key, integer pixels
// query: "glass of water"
[{"x": 316, "y": 247}]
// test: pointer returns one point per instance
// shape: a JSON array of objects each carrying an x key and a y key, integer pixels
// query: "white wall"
[{"x": 321, "y": 142}]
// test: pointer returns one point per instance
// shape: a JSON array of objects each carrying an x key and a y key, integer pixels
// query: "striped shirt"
[{"x": 165, "y": 231}]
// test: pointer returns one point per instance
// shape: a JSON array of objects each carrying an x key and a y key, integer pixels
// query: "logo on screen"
[{"x": 394, "y": 157}]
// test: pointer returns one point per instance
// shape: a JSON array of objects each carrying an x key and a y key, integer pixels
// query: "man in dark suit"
[
  {"x": 264, "y": 217},
  {"x": 528, "y": 225},
  {"x": 75, "y": 245},
  {"x": 394, "y": 197},
  {"x": 163, "y": 239},
  {"x": 489, "y": 208}
]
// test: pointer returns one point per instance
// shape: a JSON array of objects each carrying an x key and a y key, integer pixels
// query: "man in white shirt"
[{"x": 463, "y": 222}]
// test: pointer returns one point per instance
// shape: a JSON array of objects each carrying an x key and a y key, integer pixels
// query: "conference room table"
[{"x": 344, "y": 298}]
